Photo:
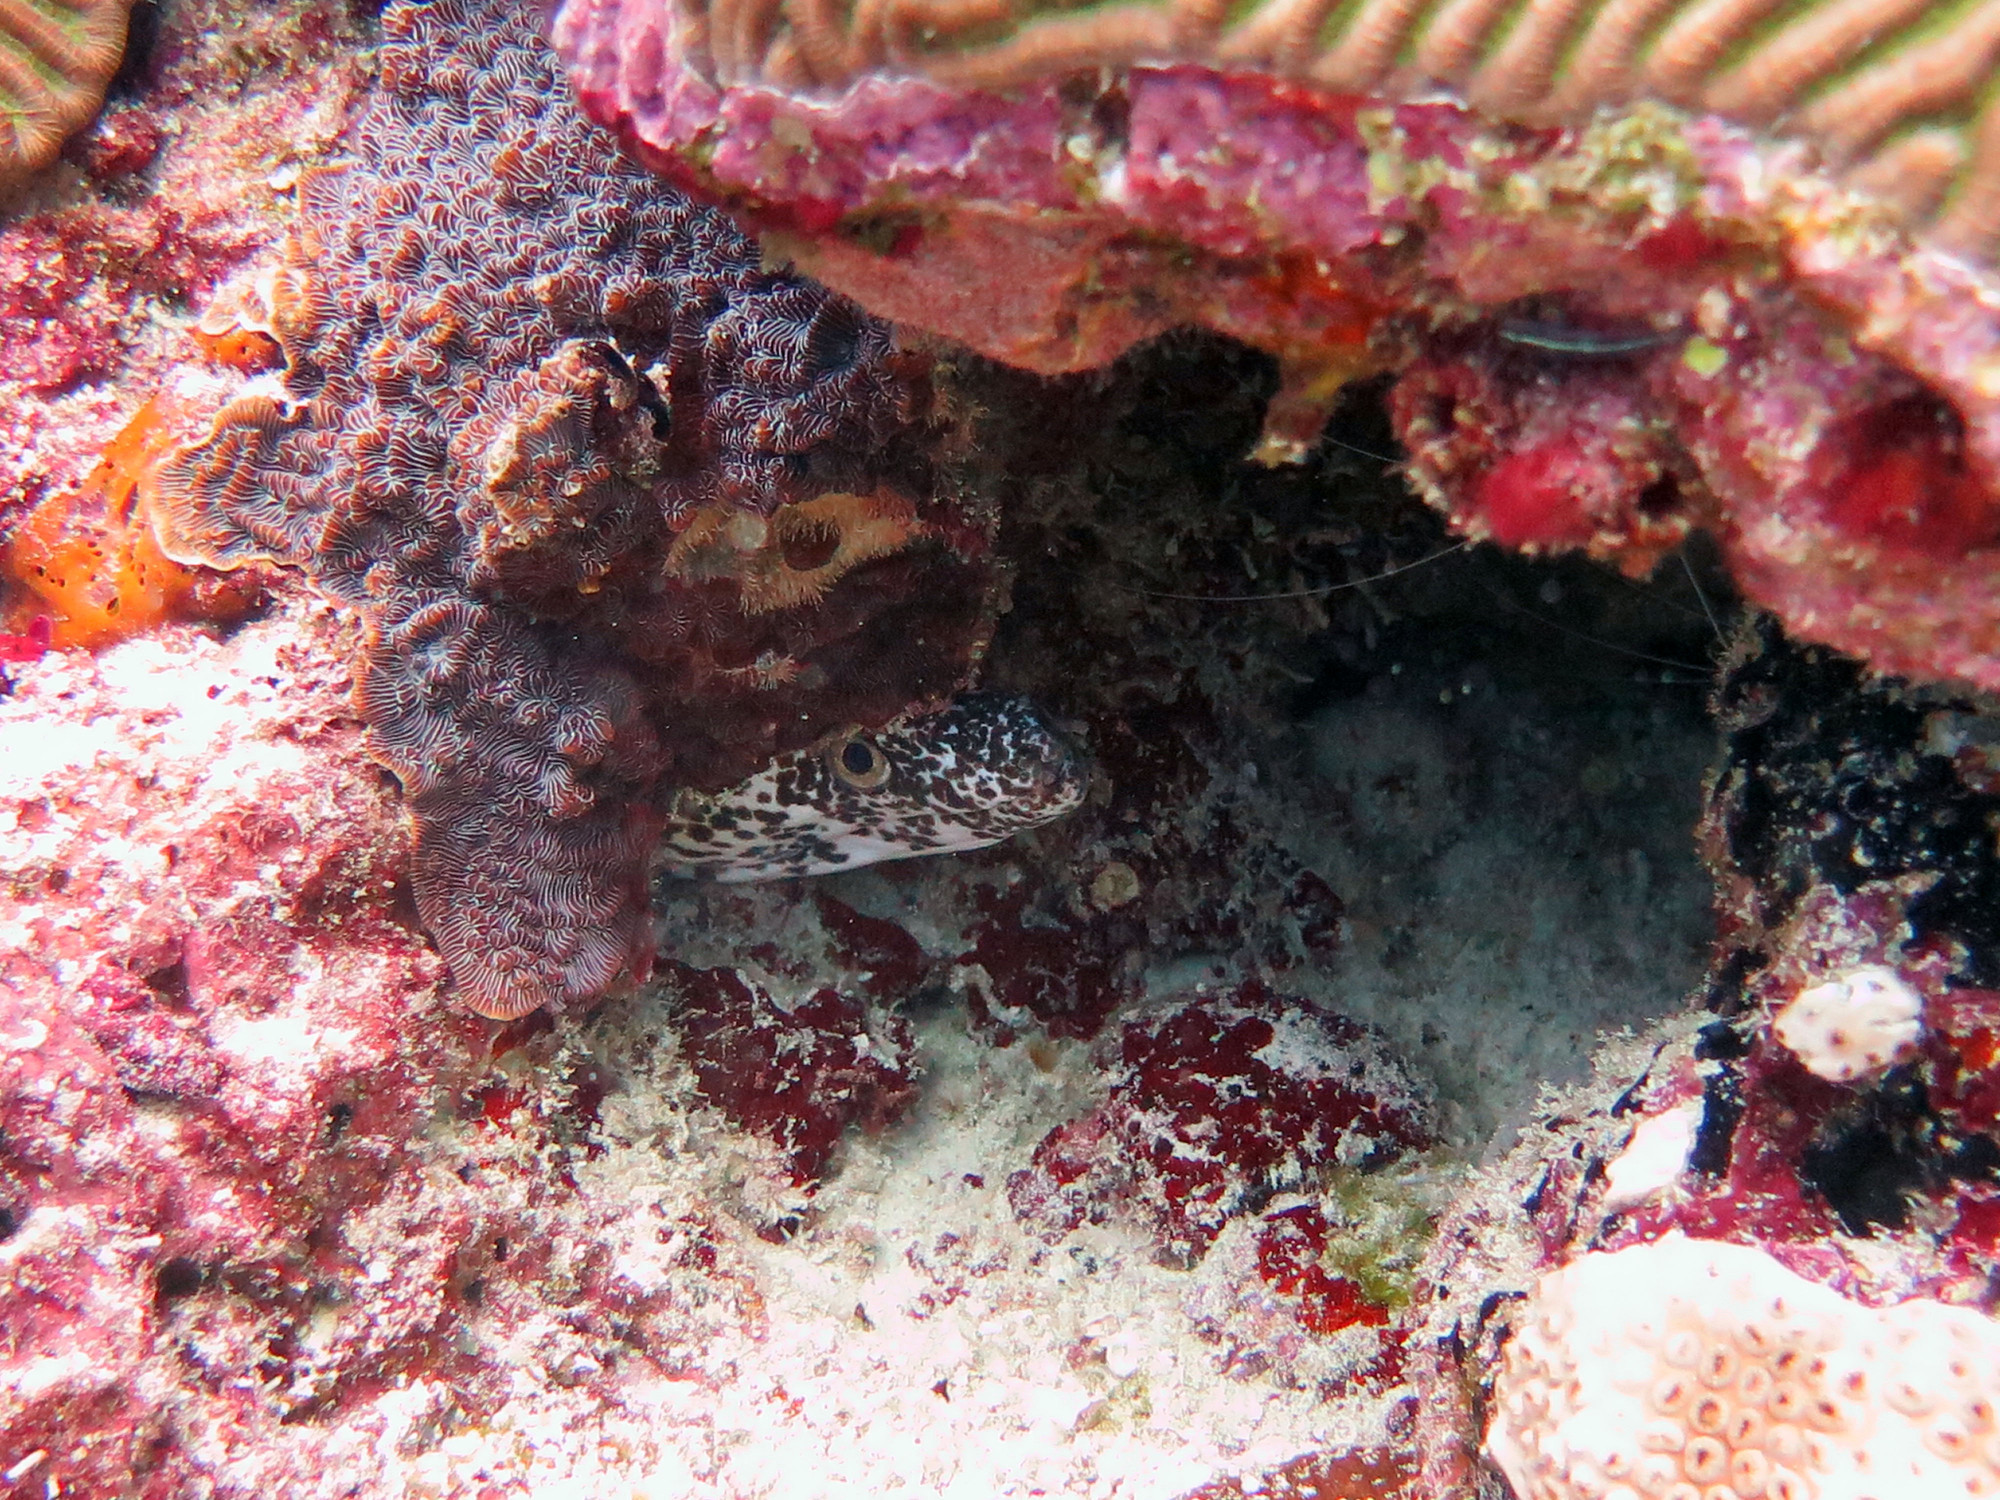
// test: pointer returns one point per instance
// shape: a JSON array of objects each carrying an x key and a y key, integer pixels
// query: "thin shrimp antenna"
[
  {"x": 1603, "y": 645},
  {"x": 1702, "y": 594},
  {"x": 1380, "y": 458},
  {"x": 1330, "y": 588}
]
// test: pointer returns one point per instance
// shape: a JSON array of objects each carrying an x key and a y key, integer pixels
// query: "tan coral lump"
[{"x": 1699, "y": 1370}]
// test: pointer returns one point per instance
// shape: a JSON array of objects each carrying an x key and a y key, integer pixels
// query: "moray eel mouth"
[{"x": 984, "y": 769}]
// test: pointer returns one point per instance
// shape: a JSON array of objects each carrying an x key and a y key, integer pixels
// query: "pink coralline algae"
[
  {"x": 1611, "y": 327},
  {"x": 162, "y": 1124},
  {"x": 250, "y": 1212},
  {"x": 620, "y": 510},
  {"x": 1214, "y": 1106}
]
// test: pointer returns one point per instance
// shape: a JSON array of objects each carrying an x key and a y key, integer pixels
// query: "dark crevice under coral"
[
  {"x": 1317, "y": 716},
  {"x": 1841, "y": 780}
]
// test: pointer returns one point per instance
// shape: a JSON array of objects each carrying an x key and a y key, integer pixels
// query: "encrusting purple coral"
[{"x": 552, "y": 431}]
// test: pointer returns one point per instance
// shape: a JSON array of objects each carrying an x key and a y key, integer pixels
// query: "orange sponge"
[{"x": 88, "y": 560}]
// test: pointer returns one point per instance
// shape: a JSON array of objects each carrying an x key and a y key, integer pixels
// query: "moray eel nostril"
[{"x": 987, "y": 767}]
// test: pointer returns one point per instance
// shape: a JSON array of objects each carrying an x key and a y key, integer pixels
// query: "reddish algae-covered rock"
[
  {"x": 1214, "y": 1105},
  {"x": 1618, "y": 324}
]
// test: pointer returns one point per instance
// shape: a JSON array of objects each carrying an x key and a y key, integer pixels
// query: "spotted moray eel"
[{"x": 985, "y": 768}]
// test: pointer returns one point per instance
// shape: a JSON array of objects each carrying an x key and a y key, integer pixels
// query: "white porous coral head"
[
  {"x": 1697, "y": 1370},
  {"x": 1854, "y": 1025}
]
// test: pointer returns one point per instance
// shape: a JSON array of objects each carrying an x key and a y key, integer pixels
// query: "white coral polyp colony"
[
  {"x": 1853, "y": 1025},
  {"x": 1697, "y": 1370}
]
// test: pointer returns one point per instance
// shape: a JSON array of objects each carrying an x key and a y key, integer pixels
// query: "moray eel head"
[{"x": 985, "y": 768}]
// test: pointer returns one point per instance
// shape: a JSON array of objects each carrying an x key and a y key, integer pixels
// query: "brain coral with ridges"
[{"x": 516, "y": 370}]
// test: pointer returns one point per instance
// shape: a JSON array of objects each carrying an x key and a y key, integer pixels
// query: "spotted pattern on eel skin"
[{"x": 987, "y": 767}]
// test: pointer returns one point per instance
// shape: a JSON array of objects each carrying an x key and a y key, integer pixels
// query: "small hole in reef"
[
  {"x": 337, "y": 1120},
  {"x": 834, "y": 341},
  {"x": 1867, "y": 1171},
  {"x": 1442, "y": 412},
  {"x": 1660, "y": 498},
  {"x": 781, "y": 1231},
  {"x": 178, "y": 1278},
  {"x": 170, "y": 983},
  {"x": 809, "y": 547},
  {"x": 135, "y": 68}
]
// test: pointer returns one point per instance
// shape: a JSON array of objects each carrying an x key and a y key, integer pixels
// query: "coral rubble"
[
  {"x": 1215, "y": 1104},
  {"x": 796, "y": 1074},
  {"x": 618, "y": 507},
  {"x": 1755, "y": 293}
]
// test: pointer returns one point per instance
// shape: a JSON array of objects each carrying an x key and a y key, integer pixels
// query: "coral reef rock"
[
  {"x": 1641, "y": 269},
  {"x": 1691, "y": 1365},
  {"x": 208, "y": 978},
  {"x": 184, "y": 181},
  {"x": 275, "y": 1219},
  {"x": 620, "y": 509},
  {"x": 1845, "y": 1161}
]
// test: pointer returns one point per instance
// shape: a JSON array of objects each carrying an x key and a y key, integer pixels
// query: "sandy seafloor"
[
  {"x": 1502, "y": 807},
  {"x": 1516, "y": 883},
  {"x": 1493, "y": 766}
]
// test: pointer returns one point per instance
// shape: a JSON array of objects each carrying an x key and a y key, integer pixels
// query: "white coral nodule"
[
  {"x": 1697, "y": 1370},
  {"x": 1854, "y": 1025}
]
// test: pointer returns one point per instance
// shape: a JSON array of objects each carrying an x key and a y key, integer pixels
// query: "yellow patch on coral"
[{"x": 791, "y": 558}]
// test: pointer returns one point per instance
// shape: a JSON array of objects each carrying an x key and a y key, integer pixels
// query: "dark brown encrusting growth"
[
  {"x": 596, "y": 483},
  {"x": 1838, "y": 788}
]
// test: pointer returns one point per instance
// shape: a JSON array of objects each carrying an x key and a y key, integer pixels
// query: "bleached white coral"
[
  {"x": 1653, "y": 1159},
  {"x": 1697, "y": 1370},
  {"x": 1853, "y": 1025}
]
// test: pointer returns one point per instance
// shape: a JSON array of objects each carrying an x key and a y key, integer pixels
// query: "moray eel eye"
[{"x": 859, "y": 763}]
